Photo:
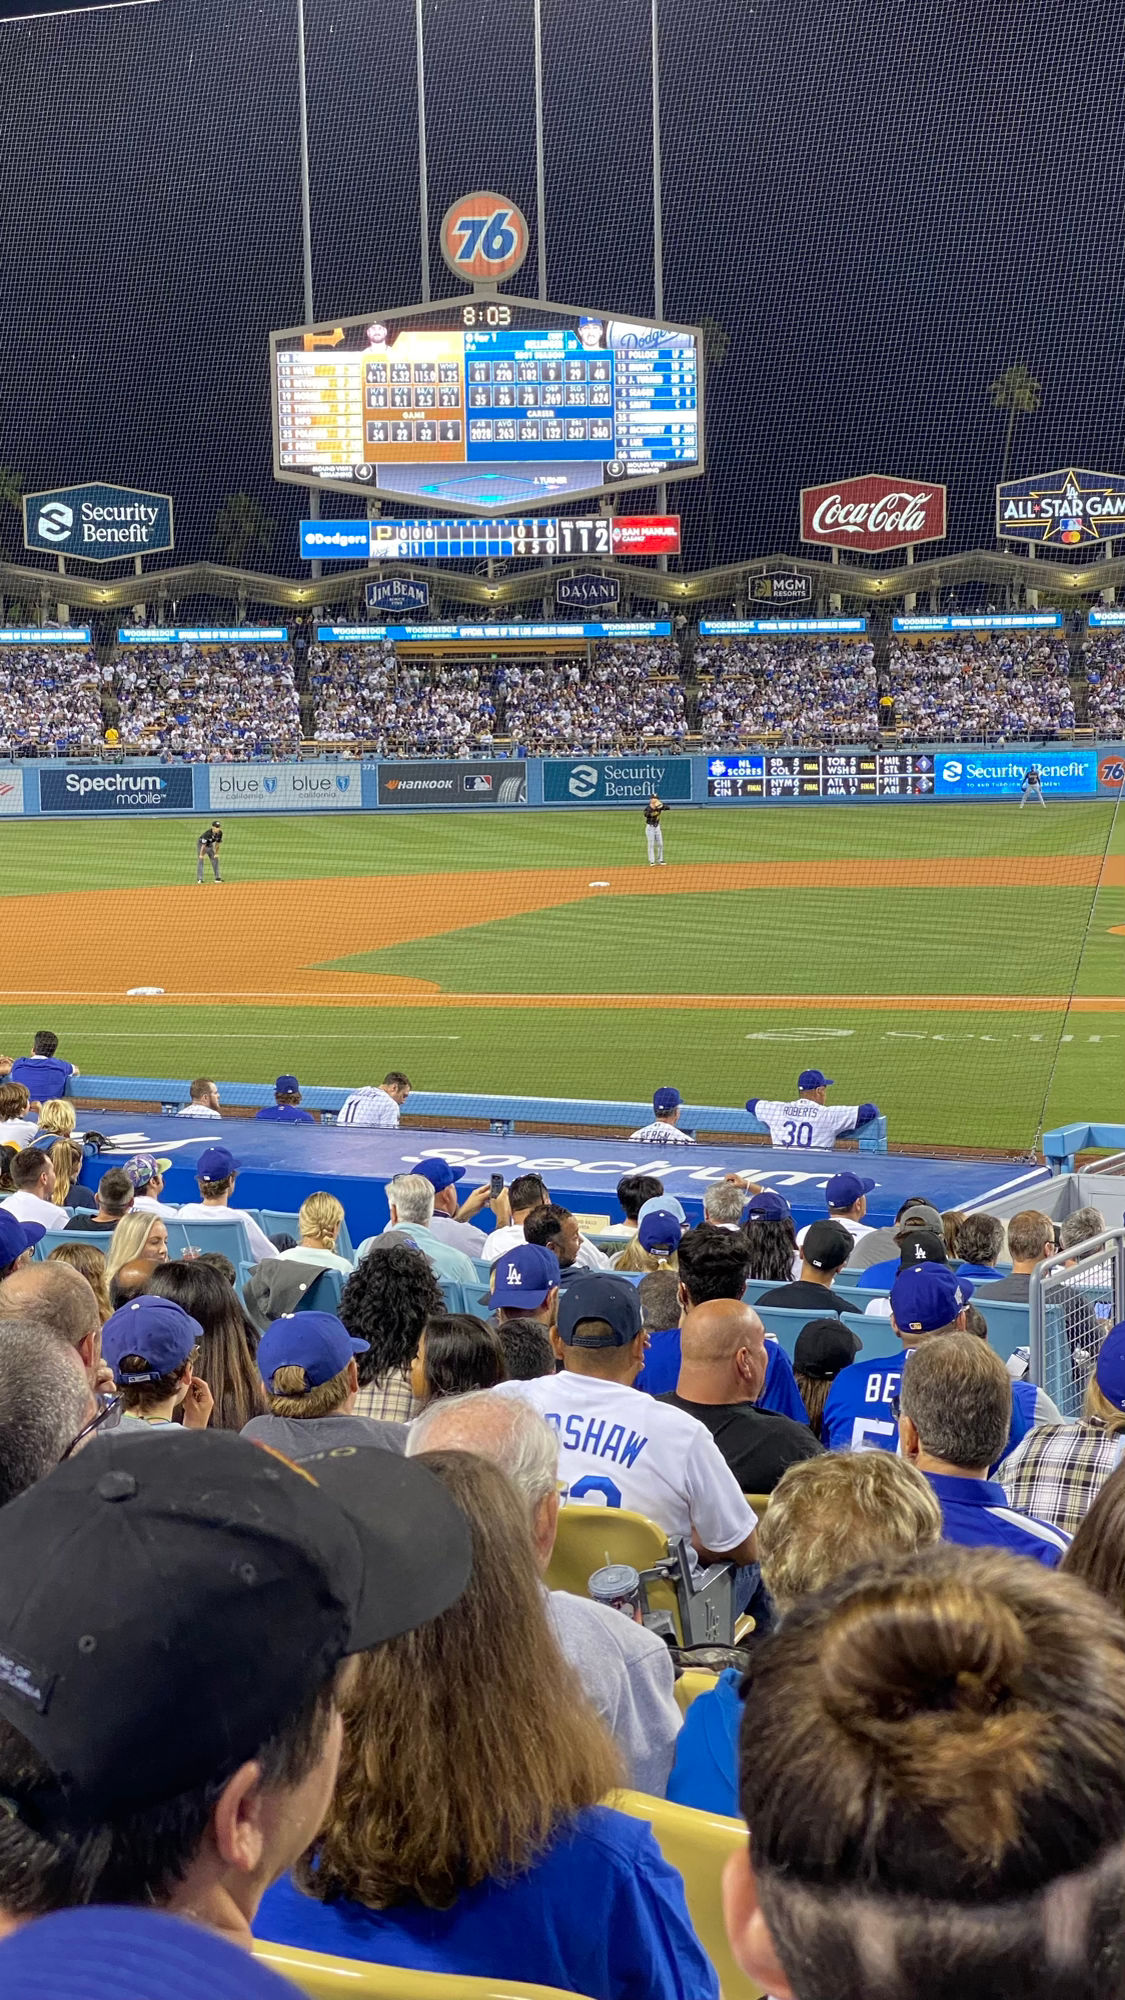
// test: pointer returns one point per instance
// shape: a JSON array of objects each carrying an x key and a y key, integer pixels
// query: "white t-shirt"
[
  {"x": 28, "y": 1207},
  {"x": 199, "y": 1111},
  {"x": 201, "y": 1211},
  {"x": 370, "y": 1106},
  {"x": 803, "y": 1123},
  {"x": 857, "y": 1229},
  {"x": 621, "y": 1448},
  {"x": 17, "y": 1131},
  {"x": 309, "y": 1253},
  {"x": 589, "y": 1257},
  {"x": 659, "y": 1134},
  {"x": 149, "y": 1205}
]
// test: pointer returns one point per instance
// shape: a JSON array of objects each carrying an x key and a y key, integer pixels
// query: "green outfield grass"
[{"x": 949, "y": 1076}]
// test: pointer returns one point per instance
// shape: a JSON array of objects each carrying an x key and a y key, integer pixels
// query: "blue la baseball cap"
[
  {"x": 660, "y": 1229},
  {"x": 844, "y": 1190},
  {"x": 216, "y": 1164},
  {"x": 667, "y": 1205},
  {"x": 287, "y": 1083},
  {"x": 600, "y": 1295},
  {"x": 317, "y": 1342},
  {"x": 926, "y": 1296},
  {"x": 157, "y": 1332},
  {"x": 17, "y": 1236},
  {"x": 439, "y": 1173},
  {"x": 102, "y": 1953},
  {"x": 768, "y": 1203},
  {"x": 814, "y": 1079},
  {"x": 1109, "y": 1371},
  {"x": 666, "y": 1100},
  {"x": 523, "y": 1276}
]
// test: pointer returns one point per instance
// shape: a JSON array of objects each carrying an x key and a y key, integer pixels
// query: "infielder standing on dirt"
[
  {"x": 653, "y": 835},
  {"x": 207, "y": 849}
]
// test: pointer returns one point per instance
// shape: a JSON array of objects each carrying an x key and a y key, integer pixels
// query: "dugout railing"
[{"x": 1074, "y": 1300}]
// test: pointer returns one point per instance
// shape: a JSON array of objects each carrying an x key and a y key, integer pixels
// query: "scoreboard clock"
[
  {"x": 821, "y": 774},
  {"x": 487, "y": 403}
]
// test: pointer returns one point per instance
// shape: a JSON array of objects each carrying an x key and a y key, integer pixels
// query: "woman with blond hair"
[
  {"x": 57, "y": 1117},
  {"x": 89, "y": 1261},
  {"x": 467, "y": 1833},
  {"x": 826, "y": 1515},
  {"x": 138, "y": 1234},
  {"x": 656, "y": 1244},
  {"x": 320, "y": 1219}
]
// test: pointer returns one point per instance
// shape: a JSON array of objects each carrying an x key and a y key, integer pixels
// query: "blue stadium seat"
[{"x": 878, "y": 1335}]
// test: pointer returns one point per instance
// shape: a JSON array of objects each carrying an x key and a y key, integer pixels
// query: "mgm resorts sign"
[
  {"x": 97, "y": 522},
  {"x": 1069, "y": 509}
]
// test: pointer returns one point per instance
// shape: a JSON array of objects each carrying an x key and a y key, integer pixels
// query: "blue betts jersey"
[{"x": 858, "y": 1414}]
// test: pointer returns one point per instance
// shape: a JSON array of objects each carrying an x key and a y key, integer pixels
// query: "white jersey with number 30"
[{"x": 805, "y": 1123}]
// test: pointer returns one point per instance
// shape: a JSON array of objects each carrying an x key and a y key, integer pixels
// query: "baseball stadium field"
[{"x": 963, "y": 965}]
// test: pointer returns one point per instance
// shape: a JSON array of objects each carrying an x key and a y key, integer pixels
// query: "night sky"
[{"x": 884, "y": 204}]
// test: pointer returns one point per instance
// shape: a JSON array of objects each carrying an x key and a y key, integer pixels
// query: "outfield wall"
[{"x": 139, "y": 788}]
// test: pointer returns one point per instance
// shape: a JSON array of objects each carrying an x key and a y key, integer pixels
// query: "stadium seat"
[
  {"x": 878, "y": 1335},
  {"x": 324, "y": 1978},
  {"x": 699, "y": 1609},
  {"x": 228, "y": 1238},
  {"x": 98, "y": 1237},
  {"x": 1008, "y": 1322},
  {"x": 699, "y": 1844},
  {"x": 758, "y": 1501},
  {"x": 692, "y": 1682},
  {"x": 461, "y": 1298}
]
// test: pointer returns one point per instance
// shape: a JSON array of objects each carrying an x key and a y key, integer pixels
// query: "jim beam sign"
[{"x": 873, "y": 514}]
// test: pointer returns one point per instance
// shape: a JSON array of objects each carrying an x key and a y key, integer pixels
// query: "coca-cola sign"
[{"x": 873, "y": 514}]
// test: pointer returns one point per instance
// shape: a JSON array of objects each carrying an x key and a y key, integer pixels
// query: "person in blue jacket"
[
  {"x": 286, "y": 1108},
  {"x": 467, "y": 1834}
]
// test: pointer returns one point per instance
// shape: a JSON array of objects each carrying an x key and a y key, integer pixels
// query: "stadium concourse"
[{"x": 259, "y": 699}]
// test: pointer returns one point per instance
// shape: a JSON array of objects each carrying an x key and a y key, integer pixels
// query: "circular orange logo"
[
  {"x": 484, "y": 237},
  {"x": 1111, "y": 772}
]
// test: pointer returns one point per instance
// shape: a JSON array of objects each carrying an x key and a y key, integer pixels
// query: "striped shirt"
[
  {"x": 370, "y": 1106},
  {"x": 1058, "y": 1470}
]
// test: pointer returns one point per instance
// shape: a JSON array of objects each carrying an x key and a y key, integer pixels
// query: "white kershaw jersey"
[
  {"x": 803, "y": 1122},
  {"x": 620, "y": 1448}
]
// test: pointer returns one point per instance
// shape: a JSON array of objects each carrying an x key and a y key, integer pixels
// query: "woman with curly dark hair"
[{"x": 387, "y": 1300}]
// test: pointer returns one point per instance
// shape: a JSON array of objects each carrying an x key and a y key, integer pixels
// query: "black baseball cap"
[
  {"x": 165, "y": 1605},
  {"x": 823, "y": 1347},
  {"x": 827, "y": 1246},
  {"x": 921, "y": 1246}
]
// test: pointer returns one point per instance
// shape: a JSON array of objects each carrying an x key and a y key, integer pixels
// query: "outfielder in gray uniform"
[
  {"x": 207, "y": 849},
  {"x": 653, "y": 834}
]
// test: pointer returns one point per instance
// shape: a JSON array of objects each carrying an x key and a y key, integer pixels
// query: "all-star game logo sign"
[{"x": 1074, "y": 508}]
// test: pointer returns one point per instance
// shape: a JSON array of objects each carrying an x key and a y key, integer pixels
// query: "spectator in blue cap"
[
  {"x": 215, "y": 1172},
  {"x": 98, "y": 1953},
  {"x": 771, "y": 1234},
  {"x": 525, "y": 1284},
  {"x": 846, "y": 1195},
  {"x": 859, "y": 1414},
  {"x": 664, "y": 1129},
  {"x": 17, "y": 1241},
  {"x": 286, "y": 1106},
  {"x": 151, "y": 1345},
  {"x": 307, "y": 1362},
  {"x": 660, "y": 1225},
  {"x": 450, "y": 1220}
]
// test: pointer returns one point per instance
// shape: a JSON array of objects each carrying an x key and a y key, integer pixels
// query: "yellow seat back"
[
  {"x": 699, "y": 1845},
  {"x": 590, "y": 1537},
  {"x": 693, "y": 1681},
  {"x": 324, "y": 1978},
  {"x": 758, "y": 1501}
]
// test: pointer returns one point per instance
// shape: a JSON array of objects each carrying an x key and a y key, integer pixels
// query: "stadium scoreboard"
[
  {"x": 484, "y": 401},
  {"x": 821, "y": 774},
  {"x": 425, "y": 540}
]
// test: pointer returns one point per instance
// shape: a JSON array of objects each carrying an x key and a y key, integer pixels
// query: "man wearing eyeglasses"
[{"x": 46, "y": 1401}]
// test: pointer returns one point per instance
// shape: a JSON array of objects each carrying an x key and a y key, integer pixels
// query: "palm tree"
[
  {"x": 241, "y": 525},
  {"x": 12, "y": 489},
  {"x": 1018, "y": 392}
]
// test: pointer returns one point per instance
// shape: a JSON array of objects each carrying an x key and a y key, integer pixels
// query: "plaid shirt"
[
  {"x": 389, "y": 1399},
  {"x": 1058, "y": 1470}
]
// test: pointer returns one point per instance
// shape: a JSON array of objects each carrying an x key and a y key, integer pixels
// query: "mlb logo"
[{"x": 480, "y": 781}]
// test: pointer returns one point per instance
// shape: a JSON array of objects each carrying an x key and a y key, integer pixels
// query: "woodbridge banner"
[
  {"x": 97, "y": 522},
  {"x": 90, "y": 788},
  {"x": 284, "y": 787},
  {"x": 995, "y": 773},
  {"x": 1069, "y": 509},
  {"x": 873, "y": 513},
  {"x": 202, "y": 635},
  {"x": 47, "y": 635},
  {"x": 616, "y": 781},
  {"x": 480, "y": 783},
  {"x": 985, "y": 621},
  {"x": 742, "y": 628}
]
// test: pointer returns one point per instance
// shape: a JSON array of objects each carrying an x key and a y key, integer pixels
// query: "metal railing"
[{"x": 1074, "y": 1300}]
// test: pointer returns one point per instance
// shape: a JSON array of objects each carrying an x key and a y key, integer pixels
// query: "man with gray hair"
[
  {"x": 45, "y": 1400},
  {"x": 59, "y": 1298},
  {"x": 410, "y": 1199},
  {"x": 724, "y": 1203},
  {"x": 1084, "y": 1224},
  {"x": 626, "y": 1671},
  {"x": 955, "y": 1409}
]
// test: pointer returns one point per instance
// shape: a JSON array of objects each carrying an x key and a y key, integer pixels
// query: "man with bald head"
[
  {"x": 57, "y": 1296},
  {"x": 722, "y": 1369},
  {"x": 626, "y": 1671},
  {"x": 131, "y": 1280}
]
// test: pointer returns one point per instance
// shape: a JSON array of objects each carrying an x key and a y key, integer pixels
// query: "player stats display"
[
  {"x": 487, "y": 402},
  {"x": 821, "y": 774}
]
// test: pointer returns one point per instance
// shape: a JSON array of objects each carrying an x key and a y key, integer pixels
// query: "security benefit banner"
[
  {"x": 285, "y": 787},
  {"x": 480, "y": 783},
  {"x": 616, "y": 781},
  {"x": 1068, "y": 772},
  {"x": 131, "y": 788}
]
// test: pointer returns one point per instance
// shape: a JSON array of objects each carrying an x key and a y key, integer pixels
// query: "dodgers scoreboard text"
[
  {"x": 821, "y": 774},
  {"x": 379, "y": 540}
]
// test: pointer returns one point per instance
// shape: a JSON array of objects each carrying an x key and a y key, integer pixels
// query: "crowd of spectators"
[
  {"x": 797, "y": 690},
  {"x": 223, "y": 702},
  {"x": 993, "y": 686},
  {"x": 363, "y": 694},
  {"x": 49, "y": 701},
  {"x": 1104, "y": 658},
  {"x": 424, "y": 1768},
  {"x": 630, "y": 696}
]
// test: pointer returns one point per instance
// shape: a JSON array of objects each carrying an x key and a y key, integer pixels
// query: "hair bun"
[{"x": 919, "y": 1646}]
